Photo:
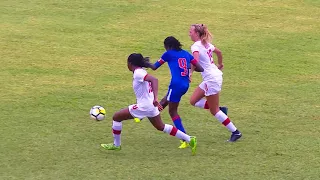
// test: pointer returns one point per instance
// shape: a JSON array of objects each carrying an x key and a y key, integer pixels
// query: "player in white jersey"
[
  {"x": 145, "y": 87},
  {"x": 210, "y": 87}
]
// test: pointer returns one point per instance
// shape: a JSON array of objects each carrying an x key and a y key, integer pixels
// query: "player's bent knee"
[
  {"x": 192, "y": 102},
  {"x": 173, "y": 112},
  {"x": 214, "y": 110},
  {"x": 159, "y": 127},
  {"x": 116, "y": 116}
]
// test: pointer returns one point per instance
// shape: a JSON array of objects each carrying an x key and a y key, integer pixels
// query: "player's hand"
[
  {"x": 190, "y": 77},
  {"x": 160, "y": 108},
  {"x": 220, "y": 66},
  {"x": 147, "y": 59},
  {"x": 148, "y": 64},
  {"x": 157, "y": 104}
]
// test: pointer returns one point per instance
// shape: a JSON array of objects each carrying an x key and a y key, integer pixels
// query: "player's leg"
[
  {"x": 213, "y": 101},
  {"x": 164, "y": 102},
  {"x": 177, "y": 121},
  {"x": 118, "y": 117},
  {"x": 173, "y": 111},
  {"x": 173, "y": 131},
  {"x": 173, "y": 97},
  {"x": 197, "y": 99}
]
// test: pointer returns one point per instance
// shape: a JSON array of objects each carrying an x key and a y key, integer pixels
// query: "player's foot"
[
  {"x": 193, "y": 144},
  {"x": 224, "y": 109},
  {"x": 111, "y": 147},
  {"x": 183, "y": 145},
  {"x": 235, "y": 136}
]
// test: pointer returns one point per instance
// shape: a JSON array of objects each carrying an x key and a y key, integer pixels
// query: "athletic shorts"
[
  {"x": 140, "y": 113},
  {"x": 211, "y": 87},
  {"x": 175, "y": 94}
]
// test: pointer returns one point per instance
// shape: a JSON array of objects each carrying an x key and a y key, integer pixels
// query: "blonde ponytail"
[
  {"x": 207, "y": 37},
  {"x": 203, "y": 32}
]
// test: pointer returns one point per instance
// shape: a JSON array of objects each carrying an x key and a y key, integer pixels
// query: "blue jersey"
[{"x": 179, "y": 63}]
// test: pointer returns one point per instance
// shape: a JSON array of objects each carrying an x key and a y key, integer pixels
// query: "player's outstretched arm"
[
  {"x": 152, "y": 66},
  {"x": 156, "y": 65}
]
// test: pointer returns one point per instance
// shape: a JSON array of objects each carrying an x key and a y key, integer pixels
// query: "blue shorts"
[{"x": 175, "y": 94}]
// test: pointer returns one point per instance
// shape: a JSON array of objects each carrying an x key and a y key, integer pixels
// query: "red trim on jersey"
[
  {"x": 116, "y": 131},
  {"x": 145, "y": 77},
  {"x": 226, "y": 122},
  {"x": 161, "y": 61},
  {"x": 174, "y": 131},
  {"x": 194, "y": 51},
  {"x": 194, "y": 61},
  {"x": 175, "y": 118}
]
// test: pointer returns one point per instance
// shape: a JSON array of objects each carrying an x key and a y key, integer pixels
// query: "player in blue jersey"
[{"x": 179, "y": 62}]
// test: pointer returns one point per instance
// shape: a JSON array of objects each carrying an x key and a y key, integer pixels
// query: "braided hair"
[{"x": 172, "y": 43}]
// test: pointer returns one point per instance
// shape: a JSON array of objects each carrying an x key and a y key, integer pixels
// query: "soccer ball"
[{"x": 97, "y": 113}]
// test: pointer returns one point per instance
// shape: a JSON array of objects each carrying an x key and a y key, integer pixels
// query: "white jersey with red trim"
[
  {"x": 206, "y": 60},
  {"x": 142, "y": 89}
]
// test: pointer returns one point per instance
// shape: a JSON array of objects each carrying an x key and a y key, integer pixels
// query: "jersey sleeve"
[
  {"x": 140, "y": 75},
  {"x": 213, "y": 47},
  {"x": 194, "y": 48},
  {"x": 164, "y": 58}
]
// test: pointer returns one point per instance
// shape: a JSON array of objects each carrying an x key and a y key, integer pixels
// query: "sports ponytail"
[
  {"x": 203, "y": 32},
  {"x": 138, "y": 60}
]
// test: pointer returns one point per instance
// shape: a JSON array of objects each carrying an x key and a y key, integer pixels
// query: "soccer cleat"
[
  {"x": 235, "y": 136},
  {"x": 193, "y": 144},
  {"x": 137, "y": 120},
  {"x": 111, "y": 147},
  {"x": 224, "y": 109},
  {"x": 183, "y": 145}
]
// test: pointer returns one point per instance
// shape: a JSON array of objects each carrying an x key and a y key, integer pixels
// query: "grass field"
[{"x": 59, "y": 58}]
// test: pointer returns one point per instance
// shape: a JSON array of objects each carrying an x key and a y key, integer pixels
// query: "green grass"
[{"x": 59, "y": 58}]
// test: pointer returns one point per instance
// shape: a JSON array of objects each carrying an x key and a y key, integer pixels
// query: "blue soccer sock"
[{"x": 178, "y": 123}]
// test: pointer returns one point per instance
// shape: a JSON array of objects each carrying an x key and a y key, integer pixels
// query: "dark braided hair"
[
  {"x": 138, "y": 60},
  {"x": 172, "y": 43}
]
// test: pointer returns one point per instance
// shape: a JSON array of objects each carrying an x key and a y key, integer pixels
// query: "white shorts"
[
  {"x": 137, "y": 112},
  {"x": 211, "y": 87}
]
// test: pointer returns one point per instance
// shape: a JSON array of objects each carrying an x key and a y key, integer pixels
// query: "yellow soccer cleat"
[
  {"x": 183, "y": 144},
  {"x": 137, "y": 120},
  {"x": 111, "y": 146},
  {"x": 193, "y": 145}
]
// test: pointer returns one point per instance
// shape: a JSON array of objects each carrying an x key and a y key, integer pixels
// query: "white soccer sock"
[
  {"x": 201, "y": 103},
  {"x": 224, "y": 119},
  {"x": 116, "y": 129},
  {"x": 173, "y": 131}
]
